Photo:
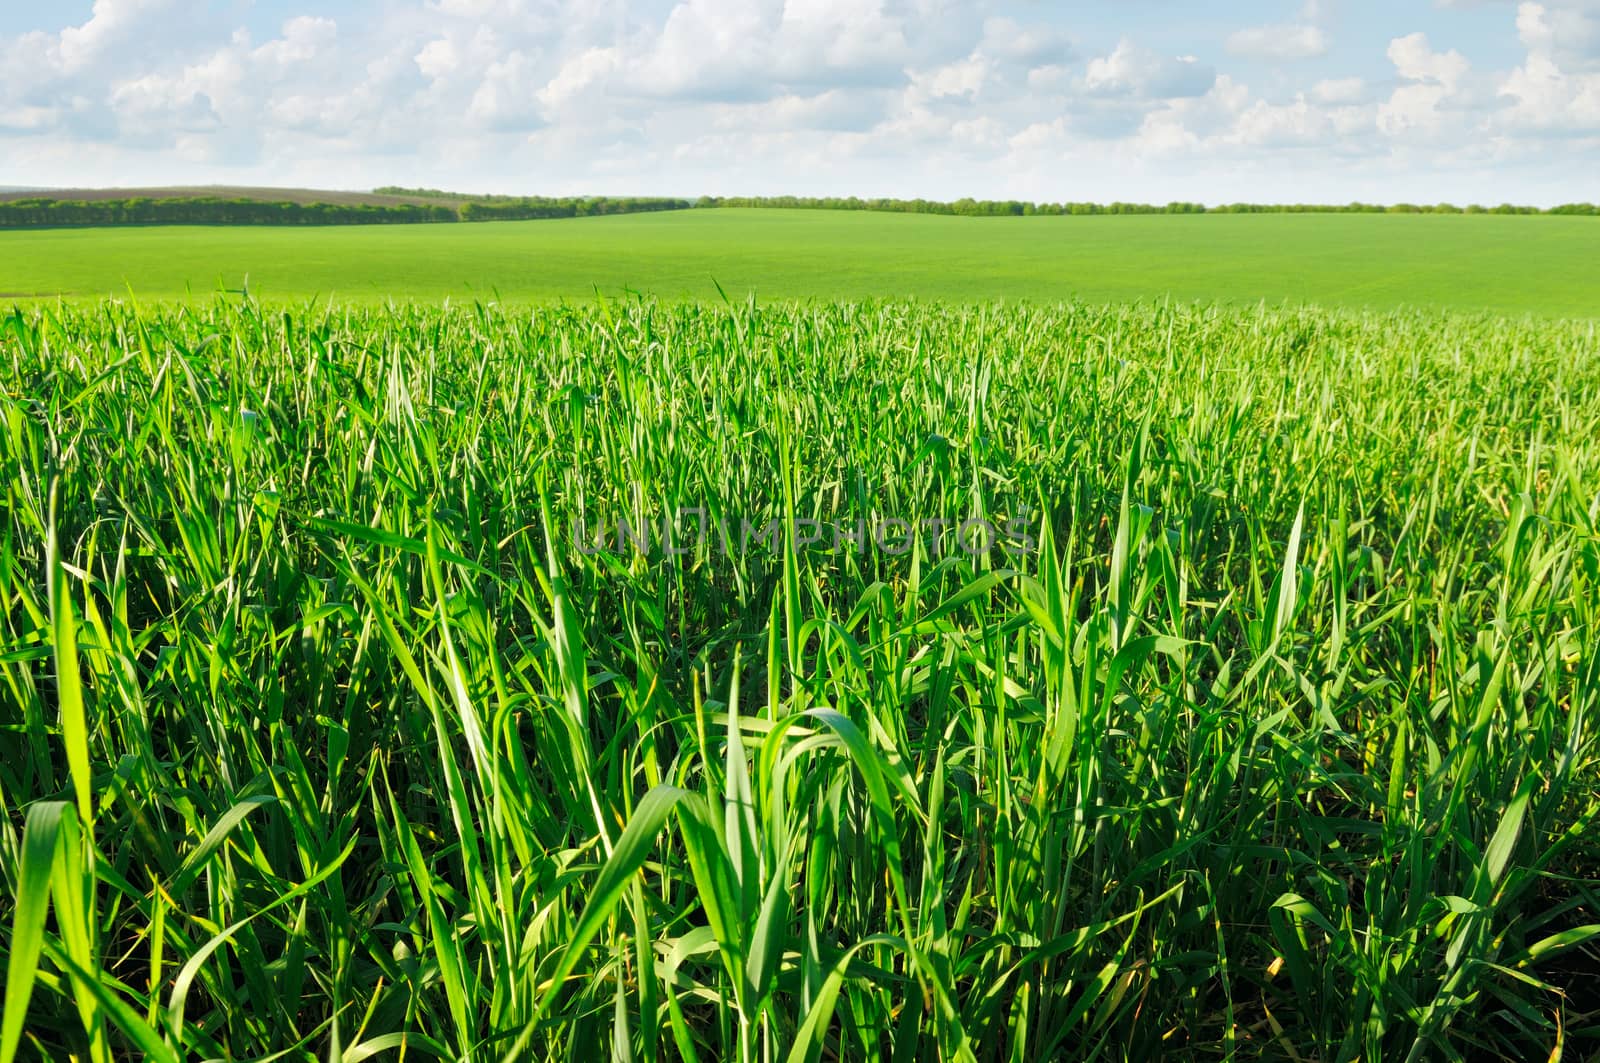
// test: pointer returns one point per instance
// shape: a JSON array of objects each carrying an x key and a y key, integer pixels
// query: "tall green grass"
[{"x": 328, "y": 738}]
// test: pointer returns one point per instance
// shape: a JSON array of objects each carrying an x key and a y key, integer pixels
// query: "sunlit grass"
[{"x": 326, "y": 737}]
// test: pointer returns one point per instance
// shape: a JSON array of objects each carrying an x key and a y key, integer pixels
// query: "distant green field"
[{"x": 1536, "y": 265}]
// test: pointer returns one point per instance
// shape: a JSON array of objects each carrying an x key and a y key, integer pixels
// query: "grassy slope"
[{"x": 1505, "y": 264}]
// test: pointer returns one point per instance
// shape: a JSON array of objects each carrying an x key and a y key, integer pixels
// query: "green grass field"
[
  {"x": 1513, "y": 265},
  {"x": 342, "y": 721}
]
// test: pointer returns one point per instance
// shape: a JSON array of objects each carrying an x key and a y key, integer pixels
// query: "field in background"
[
  {"x": 347, "y": 720},
  {"x": 1511, "y": 265}
]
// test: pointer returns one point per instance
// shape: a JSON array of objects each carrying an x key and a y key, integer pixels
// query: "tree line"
[
  {"x": 506, "y": 208},
  {"x": 994, "y": 208},
  {"x": 503, "y": 208},
  {"x": 45, "y": 212},
  {"x": 42, "y": 212}
]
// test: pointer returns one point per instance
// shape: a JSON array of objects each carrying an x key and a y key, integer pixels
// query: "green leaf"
[
  {"x": 225, "y": 825},
  {"x": 28, "y": 919},
  {"x": 632, "y": 849}
]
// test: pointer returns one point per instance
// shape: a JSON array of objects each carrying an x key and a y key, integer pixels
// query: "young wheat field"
[{"x": 845, "y": 681}]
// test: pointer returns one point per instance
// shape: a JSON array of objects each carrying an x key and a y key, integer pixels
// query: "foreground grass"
[
  {"x": 328, "y": 736},
  {"x": 1509, "y": 265}
]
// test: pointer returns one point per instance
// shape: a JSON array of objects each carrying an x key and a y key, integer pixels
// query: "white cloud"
[
  {"x": 834, "y": 110},
  {"x": 1299, "y": 122},
  {"x": 1414, "y": 60},
  {"x": 736, "y": 50},
  {"x": 1131, "y": 70},
  {"x": 579, "y": 75},
  {"x": 507, "y": 97},
  {"x": 111, "y": 22},
  {"x": 1030, "y": 46},
  {"x": 1279, "y": 42},
  {"x": 1339, "y": 90},
  {"x": 1554, "y": 89},
  {"x": 1566, "y": 33},
  {"x": 1187, "y": 125},
  {"x": 1421, "y": 105},
  {"x": 439, "y": 59},
  {"x": 304, "y": 39},
  {"x": 965, "y": 77}
]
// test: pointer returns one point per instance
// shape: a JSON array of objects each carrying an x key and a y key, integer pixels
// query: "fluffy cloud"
[
  {"x": 734, "y": 49},
  {"x": 1568, "y": 34},
  {"x": 1557, "y": 89},
  {"x": 111, "y": 23},
  {"x": 1414, "y": 60},
  {"x": 507, "y": 97},
  {"x": 1431, "y": 78},
  {"x": 1131, "y": 70}
]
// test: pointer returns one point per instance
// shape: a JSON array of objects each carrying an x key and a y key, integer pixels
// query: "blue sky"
[{"x": 1324, "y": 100}]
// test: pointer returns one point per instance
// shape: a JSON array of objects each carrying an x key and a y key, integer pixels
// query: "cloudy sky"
[{"x": 1329, "y": 100}]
